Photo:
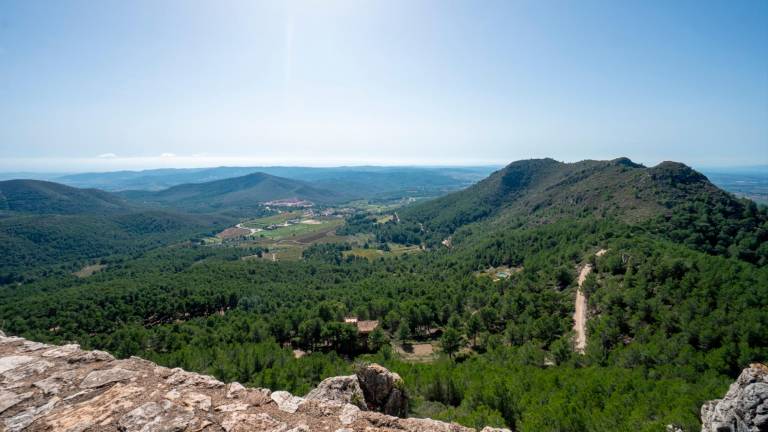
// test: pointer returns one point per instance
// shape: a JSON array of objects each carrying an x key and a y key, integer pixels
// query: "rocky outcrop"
[
  {"x": 744, "y": 408},
  {"x": 341, "y": 388},
  {"x": 63, "y": 388},
  {"x": 384, "y": 391}
]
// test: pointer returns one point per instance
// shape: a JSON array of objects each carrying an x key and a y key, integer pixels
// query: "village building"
[{"x": 364, "y": 327}]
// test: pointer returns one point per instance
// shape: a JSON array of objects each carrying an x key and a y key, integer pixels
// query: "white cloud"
[
  {"x": 167, "y": 155},
  {"x": 107, "y": 156}
]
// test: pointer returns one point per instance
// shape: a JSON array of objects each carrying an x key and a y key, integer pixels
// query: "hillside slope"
[
  {"x": 43, "y": 197},
  {"x": 47, "y": 225},
  {"x": 548, "y": 189},
  {"x": 243, "y": 192},
  {"x": 670, "y": 198}
]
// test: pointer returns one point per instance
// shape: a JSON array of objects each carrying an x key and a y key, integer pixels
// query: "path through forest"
[{"x": 580, "y": 313}]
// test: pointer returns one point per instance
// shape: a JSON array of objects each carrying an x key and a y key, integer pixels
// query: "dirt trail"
[{"x": 580, "y": 313}]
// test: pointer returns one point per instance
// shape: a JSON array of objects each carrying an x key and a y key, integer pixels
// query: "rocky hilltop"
[
  {"x": 63, "y": 388},
  {"x": 744, "y": 408}
]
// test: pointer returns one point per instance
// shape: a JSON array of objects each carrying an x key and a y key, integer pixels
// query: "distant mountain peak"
[{"x": 676, "y": 172}]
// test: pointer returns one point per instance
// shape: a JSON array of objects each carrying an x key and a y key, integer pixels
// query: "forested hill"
[
  {"x": 235, "y": 193},
  {"x": 42, "y": 197},
  {"x": 48, "y": 227},
  {"x": 671, "y": 198}
]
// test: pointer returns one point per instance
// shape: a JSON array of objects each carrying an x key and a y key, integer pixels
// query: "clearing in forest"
[{"x": 89, "y": 270}]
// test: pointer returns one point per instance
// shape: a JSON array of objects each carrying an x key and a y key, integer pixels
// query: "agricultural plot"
[
  {"x": 262, "y": 223},
  {"x": 299, "y": 231},
  {"x": 394, "y": 250}
]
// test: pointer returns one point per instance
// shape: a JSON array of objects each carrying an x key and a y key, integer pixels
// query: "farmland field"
[
  {"x": 301, "y": 229},
  {"x": 372, "y": 253}
]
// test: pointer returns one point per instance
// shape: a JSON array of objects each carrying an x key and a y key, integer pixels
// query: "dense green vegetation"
[
  {"x": 242, "y": 194},
  {"x": 42, "y": 197},
  {"x": 48, "y": 228},
  {"x": 678, "y": 303}
]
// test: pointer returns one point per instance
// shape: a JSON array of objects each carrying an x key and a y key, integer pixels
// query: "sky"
[{"x": 106, "y": 85}]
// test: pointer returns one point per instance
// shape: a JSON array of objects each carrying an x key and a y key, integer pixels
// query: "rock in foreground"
[
  {"x": 744, "y": 408},
  {"x": 50, "y": 388}
]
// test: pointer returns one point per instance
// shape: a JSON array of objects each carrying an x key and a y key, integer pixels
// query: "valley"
[{"x": 578, "y": 288}]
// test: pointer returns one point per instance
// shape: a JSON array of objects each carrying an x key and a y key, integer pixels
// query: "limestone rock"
[
  {"x": 258, "y": 396},
  {"x": 25, "y": 418},
  {"x": 12, "y": 362},
  {"x": 182, "y": 378},
  {"x": 744, "y": 408},
  {"x": 196, "y": 400},
  {"x": 62, "y": 351},
  {"x": 94, "y": 392},
  {"x": 235, "y": 390},
  {"x": 90, "y": 412},
  {"x": 27, "y": 346},
  {"x": 101, "y": 377},
  {"x": 25, "y": 371},
  {"x": 240, "y": 422},
  {"x": 349, "y": 414},
  {"x": 9, "y": 399},
  {"x": 341, "y": 388},
  {"x": 90, "y": 357},
  {"x": 286, "y": 401},
  {"x": 384, "y": 391},
  {"x": 157, "y": 416},
  {"x": 53, "y": 384}
]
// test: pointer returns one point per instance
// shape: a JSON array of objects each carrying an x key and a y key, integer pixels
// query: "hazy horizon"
[
  {"x": 103, "y": 86},
  {"x": 747, "y": 168}
]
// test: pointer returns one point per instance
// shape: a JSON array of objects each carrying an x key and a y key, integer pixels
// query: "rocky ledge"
[
  {"x": 63, "y": 388},
  {"x": 744, "y": 408}
]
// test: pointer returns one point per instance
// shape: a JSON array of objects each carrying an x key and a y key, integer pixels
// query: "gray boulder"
[
  {"x": 744, "y": 408},
  {"x": 384, "y": 391},
  {"x": 341, "y": 388}
]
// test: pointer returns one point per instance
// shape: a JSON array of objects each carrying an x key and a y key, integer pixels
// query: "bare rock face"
[
  {"x": 384, "y": 391},
  {"x": 341, "y": 388},
  {"x": 50, "y": 388},
  {"x": 744, "y": 408}
]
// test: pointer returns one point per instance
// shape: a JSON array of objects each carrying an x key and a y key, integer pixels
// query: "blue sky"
[{"x": 88, "y": 85}]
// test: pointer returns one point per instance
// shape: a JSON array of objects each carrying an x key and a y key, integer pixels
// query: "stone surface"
[
  {"x": 349, "y": 414},
  {"x": 241, "y": 422},
  {"x": 286, "y": 401},
  {"x": 384, "y": 391},
  {"x": 102, "y": 377},
  {"x": 53, "y": 384},
  {"x": 341, "y": 388},
  {"x": 196, "y": 400},
  {"x": 235, "y": 390},
  {"x": 12, "y": 362},
  {"x": 49, "y": 388},
  {"x": 744, "y": 408},
  {"x": 63, "y": 351},
  {"x": 9, "y": 399},
  {"x": 25, "y": 418},
  {"x": 182, "y": 378},
  {"x": 157, "y": 416},
  {"x": 91, "y": 412}
]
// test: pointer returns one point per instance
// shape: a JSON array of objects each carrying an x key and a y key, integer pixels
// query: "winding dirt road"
[{"x": 580, "y": 313}]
